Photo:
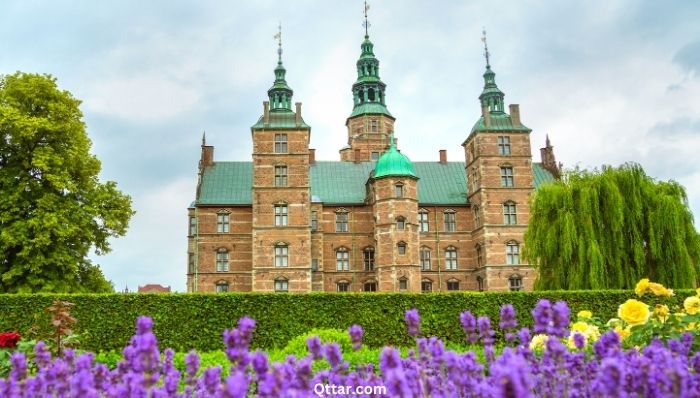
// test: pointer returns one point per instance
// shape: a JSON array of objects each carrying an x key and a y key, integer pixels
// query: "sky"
[{"x": 609, "y": 81}]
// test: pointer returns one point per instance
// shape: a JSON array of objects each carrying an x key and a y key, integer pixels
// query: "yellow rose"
[
  {"x": 642, "y": 287},
  {"x": 659, "y": 290},
  {"x": 579, "y": 326},
  {"x": 585, "y": 314},
  {"x": 690, "y": 326},
  {"x": 623, "y": 332},
  {"x": 634, "y": 312},
  {"x": 614, "y": 322},
  {"x": 692, "y": 305},
  {"x": 697, "y": 291},
  {"x": 537, "y": 342},
  {"x": 661, "y": 312}
]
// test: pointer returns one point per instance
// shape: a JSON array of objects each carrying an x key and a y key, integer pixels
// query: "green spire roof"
[
  {"x": 368, "y": 90},
  {"x": 491, "y": 96},
  {"x": 393, "y": 163},
  {"x": 280, "y": 93}
]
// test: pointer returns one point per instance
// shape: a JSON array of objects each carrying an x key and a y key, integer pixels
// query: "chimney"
[
  {"x": 266, "y": 112},
  {"x": 298, "y": 114},
  {"x": 357, "y": 156},
  {"x": 312, "y": 156},
  {"x": 443, "y": 156},
  {"x": 487, "y": 116},
  {"x": 207, "y": 158},
  {"x": 515, "y": 114}
]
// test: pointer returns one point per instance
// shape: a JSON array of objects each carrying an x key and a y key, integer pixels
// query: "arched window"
[
  {"x": 509, "y": 213},
  {"x": 452, "y": 284},
  {"x": 425, "y": 259},
  {"x": 281, "y": 255},
  {"x": 401, "y": 246},
  {"x": 515, "y": 283},
  {"x": 426, "y": 285},
  {"x": 400, "y": 223},
  {"x": 222, "y": 260},
  {"x": 342, "y": 259},
  {"x": 221, "y": 286},
  {"x": 403, "y": 284},
  {"x": 368, "y": 257},
  {"x": 398, "y": 190},
  {"x": 512, "y": 253},
  {"x": 449, "y": 220},
  {"x": 451, "y": 258},
  {"x": 343, "y": 286},
  {"x": 370, "y": 286},
  {"x": 281, "y": 284},
  {"x": 480, "y": 283},
  {"x": 479, "y": 255}
]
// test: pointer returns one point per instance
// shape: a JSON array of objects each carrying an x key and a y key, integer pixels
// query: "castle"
[{"x": 374, "y": 220}]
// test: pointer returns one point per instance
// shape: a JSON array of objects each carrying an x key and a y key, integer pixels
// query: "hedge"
[{"x": 187, "y": 321}]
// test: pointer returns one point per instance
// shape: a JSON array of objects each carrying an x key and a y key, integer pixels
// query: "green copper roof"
[
  {"x": 370, "y": 108},
  {"x": 280, "y": 120},
  {"x": 230, "y": 183},
  {"x": 499, "y": 122},
  {"x": 393, "y": 163}
]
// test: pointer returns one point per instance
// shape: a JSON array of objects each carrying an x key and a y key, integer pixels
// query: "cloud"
[{"x": 688, "y": 57}]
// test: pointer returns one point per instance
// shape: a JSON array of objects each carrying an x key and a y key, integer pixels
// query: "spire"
[
  {"x": 204, "y": 138},
  {"x": 280, "y": 93},
  {"x": 491, "y": 97},
  {"x": 368, "y": 90}
]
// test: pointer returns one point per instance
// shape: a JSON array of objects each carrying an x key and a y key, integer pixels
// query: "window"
[
  {"x": 314, "y": 264},
  {"x": 342, "y": 286},
  {"x": 480, "y": 283},
  {"x": 401, "y": 247},
  {"x": 423, "y": 221},
  {"x": 479, "y": 256},
  {"x": 281, "y": 255},
  {"x": 222, "y": 222},
  {"x": 403, "y": 284},
  {"x": 509, "y": 213},
  {"x": 341, "y": 221},
  {"x": 400, "y": 223},
  {"x": 515, "y": 283},
  {"x": 342, "y": 259},
  {"x": 450, "y": 258},
  {"x": 512, "y": 253},
  {"x": 426, "y": 286},
  {"x": 370, "y": 286},
  {"x": 425, "y": 259},
  {"x": 222, "y": 260},
  {"x": 373, "y": 126},
  {"x": 190, "y": 263},
  {"x": 477, "y": 216},
  {"x": 280, "y": 215},
  {"x": 281, "y": 285},
  {"x": 280, "y": 143},
  {"x": 453, "y": 284},
  {"x": 193, "y": 226},
  {"x": 368, "y": 257},
  {"x": 398, "y": 191},
  {"x": 280, "y": 176},
  {"x": 314, "y": 221},
  {"x": 507, "y": 176},
  {"x": 450, "y": 222},
  {"x": 374, "y": 156},
  {"x": 504, "y": 145},
  {"x": 221, "y": 287}
]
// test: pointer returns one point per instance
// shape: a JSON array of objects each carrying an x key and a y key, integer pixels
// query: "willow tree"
[{"x": 609, "y": 228}]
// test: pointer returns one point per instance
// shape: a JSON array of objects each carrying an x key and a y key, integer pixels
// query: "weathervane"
[
  {"x": 486, "y": 47},
  {"x": 278, "y": 37},
  {"x": 366, "y": 24}
]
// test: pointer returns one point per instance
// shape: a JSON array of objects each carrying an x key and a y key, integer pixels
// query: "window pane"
[
  {"x": 450, "y": 221},
  {"x": 399, "y": 191},
  {"x": 423, "y": 222},
  {"x": 341, "y": 222},
  {"x": 452, "y": 285},
  {"x": 425, "y": 259},
  {"x": 193, "y": 226}
]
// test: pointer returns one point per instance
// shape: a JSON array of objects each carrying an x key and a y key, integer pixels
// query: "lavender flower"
[
  {"x": 508, "y": 320},
  {"x": 315, "y": 347},
  {"x": 469, "y": 326},
  {"x": 412, "y": 322},
  {"x": 356, "y": 333}
]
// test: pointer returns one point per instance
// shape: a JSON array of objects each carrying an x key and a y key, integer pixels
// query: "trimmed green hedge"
[{"x": 186, "y": 321}]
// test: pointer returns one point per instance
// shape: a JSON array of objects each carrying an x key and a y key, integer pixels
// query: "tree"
[
  {"x": 54, "y": 209},
  {"x": 610, "y": 228}
]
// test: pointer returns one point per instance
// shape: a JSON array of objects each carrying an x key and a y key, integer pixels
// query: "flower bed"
[{"x": 644, "y": 353}]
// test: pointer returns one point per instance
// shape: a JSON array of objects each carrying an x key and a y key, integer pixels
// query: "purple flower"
[
  {"x": 236, "y": 385},
  {"x": 510, "y": 376},
  {"x": 508, "y": 320},
  {"x": 485, "y": 332},
  {"x": 542, "y": 316},
  {"x": 333, "y": 355},
  {"x": 356, "y": 333},
  {"x": 469, "y": 326},
  {"x": 412, "y": 322},
  {"x": 315, "y": 347}
]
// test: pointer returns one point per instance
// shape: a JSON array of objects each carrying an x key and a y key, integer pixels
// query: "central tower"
[{"x": 370, "y": 122}]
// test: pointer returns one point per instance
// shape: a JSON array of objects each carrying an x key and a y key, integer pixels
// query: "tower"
[
  {"x": 370, "y": 122},
  {"x": 394, "y": 199},
  {"x": 280, "y": 194},
  {"x": 500, "y": 180}
]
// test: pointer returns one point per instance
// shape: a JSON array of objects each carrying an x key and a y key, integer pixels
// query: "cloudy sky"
[{"x": 610, "y": 81}]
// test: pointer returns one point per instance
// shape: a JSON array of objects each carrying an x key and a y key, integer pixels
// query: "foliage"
[
  {"x": 607, "y": 229},
  {"x": 194, "y": 321},
  {"x": 54, "y": 208},
  {"x": 599, "y": 366}
]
